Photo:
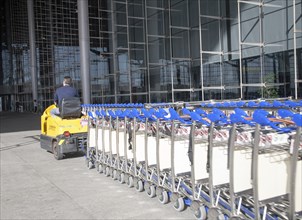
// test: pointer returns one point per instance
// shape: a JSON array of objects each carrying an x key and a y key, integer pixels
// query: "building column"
[
  {"x": 32, "y": 45},
  {"x": 83, "y": 20}
]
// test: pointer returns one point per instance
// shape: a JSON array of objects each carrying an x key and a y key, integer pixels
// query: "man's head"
[{"x": 67, "y": 81}]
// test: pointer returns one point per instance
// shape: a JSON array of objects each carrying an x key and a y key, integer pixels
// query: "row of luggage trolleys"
[{"x": 224, "y": 161}]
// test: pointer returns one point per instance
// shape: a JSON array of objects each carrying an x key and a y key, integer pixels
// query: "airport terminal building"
[{"x": 121, "y": 51}]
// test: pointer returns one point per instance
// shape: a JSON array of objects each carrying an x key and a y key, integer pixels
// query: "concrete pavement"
[{"x": 36, "y": 186}]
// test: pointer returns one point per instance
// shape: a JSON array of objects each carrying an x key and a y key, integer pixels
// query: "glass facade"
[{"x": 156, "y": 50}]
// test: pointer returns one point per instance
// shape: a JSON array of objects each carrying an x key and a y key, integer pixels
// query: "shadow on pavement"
[{"x": 17, "y": 121}]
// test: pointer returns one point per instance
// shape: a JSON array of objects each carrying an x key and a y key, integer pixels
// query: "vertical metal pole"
[
  {"x": 103, "y": 141},
  {"x": 192, "y": 162},
  {"x": 173, "y": 155},
  {"x": 221, "y": 58},
  {"x": 146, "y": 149},
  {"x": 171, "y": 52},
  {"x": 117, "y": 142},
  {"x": 200, "y": 45},
  {"x": 210, "y": 165},
  {"x": 261, "y": 17},
  {"x": 295, "y": 49},
  {"x": 147, "y": 51},
  {"x": 114, "y": 46},
  {"x": 110, "y": 141},
  {"x": 134, "y": 146},
  {"x": 84, "y": 48},
  {"x": 231, "y": 168},
  {"x": 294, "y": 159},
  {"x": 88, "y": 140},
  {"x": 157, "y": 152},
  {"x": 96, "y": 143},
  {"x": 128, "y": 53},
  {"x": 126, "y": 144},
  {"x": 240, "y": 54},
  {"x": 255, "y": 171},
  {"x": 32, "y": 44}
]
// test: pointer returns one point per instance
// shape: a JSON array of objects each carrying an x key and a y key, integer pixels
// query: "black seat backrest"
[{"x": 70, "y": 108}]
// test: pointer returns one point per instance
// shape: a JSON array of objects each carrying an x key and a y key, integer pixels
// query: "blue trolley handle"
[{"x": 264, "y": 121}]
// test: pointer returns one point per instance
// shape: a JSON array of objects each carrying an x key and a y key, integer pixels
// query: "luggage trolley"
[
  {"x": 244, "y": 193},
  {"x": 198, "y": 154},
  {"x": 173, "y": 165},
  {"x": 270, "y": 155},
  {"x": 100, "y": 122},
  {"x": 150, "y": 141},
  {"x": 106, "y": 160},
  {"x": 91, "y": 137},
  {"x": 240, "y": 162},
  {"x": 129, "y": 166},
  {"x": 121, "y": 143},
  {"x": 180, "y": 163},
  {"x": 137, "y": 135}
]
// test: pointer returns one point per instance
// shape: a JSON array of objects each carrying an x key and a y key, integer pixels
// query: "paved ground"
[{"x": 36, "y": 186}]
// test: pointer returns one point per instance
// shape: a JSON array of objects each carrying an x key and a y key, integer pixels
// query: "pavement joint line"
[{"x": 9, "y": 147}]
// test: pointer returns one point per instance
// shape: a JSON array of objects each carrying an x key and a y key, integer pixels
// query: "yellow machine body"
[{"x": 62, "y": 136}]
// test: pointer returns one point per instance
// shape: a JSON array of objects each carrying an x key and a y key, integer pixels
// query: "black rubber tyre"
[{"x": 56, "y": 151}]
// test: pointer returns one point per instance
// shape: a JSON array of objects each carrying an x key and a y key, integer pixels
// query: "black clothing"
[{"x": 64, "y": 92}]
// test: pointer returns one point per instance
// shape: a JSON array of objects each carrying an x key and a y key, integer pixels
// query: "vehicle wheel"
[
  {"x": 163, "y": 197},
  {"x": 56, "y": 150},
  {"x": 179, "y": 205},
  {"x": 215, "y": 214},
  {"x": 107, "y": 171},
  {"x": 151, "y": 192},
  {"x": 121, "y": 178},
  {"x": 201, "y": 213},
  {"x": 130, "y": 182},
  {"x": 139, "y": 186},
  {"x": 114, "y": 174}
]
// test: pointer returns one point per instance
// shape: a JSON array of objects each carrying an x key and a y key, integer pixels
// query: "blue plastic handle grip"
[{"x": 297, "y": 118}]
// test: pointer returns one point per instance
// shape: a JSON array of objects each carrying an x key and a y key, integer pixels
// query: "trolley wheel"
[
  {"x": 56, "y": 150},
  {"x": 90, "y": 165},
  {"x": 130, "y": 182},
  {"x": 121, "y": 178},
  {"x": 139, "y": 186},
  {"x": 114, "y": 174},
  {"x": 215, "y": 214},
  {"x": 151, "y": 191},
  {"x": 163, "y": 197},
  {"x": 100, "y": 168},
  {"x": 179, "y": 204},
  {"x": 107, "y": 171},
  {"x": 201, "y": 213}
]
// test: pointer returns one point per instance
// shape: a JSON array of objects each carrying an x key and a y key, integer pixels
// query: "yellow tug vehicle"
[{"x": 65, "y": 133}]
